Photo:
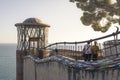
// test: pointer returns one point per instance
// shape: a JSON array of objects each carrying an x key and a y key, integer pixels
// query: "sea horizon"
[{"x": 8, "y": 61}]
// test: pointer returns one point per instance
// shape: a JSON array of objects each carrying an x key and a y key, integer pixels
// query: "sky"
[{"x": 63, "y": 17}]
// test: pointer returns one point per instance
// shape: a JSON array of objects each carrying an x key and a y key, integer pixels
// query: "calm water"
[{"x": 7, "y": 62}]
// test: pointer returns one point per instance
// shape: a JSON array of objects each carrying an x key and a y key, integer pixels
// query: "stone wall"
[
  {"x": 61, "y": 68},
  {"x": 51, "y": 71},
  {"x": 35, "y": 70},
  {"x": 29, "y": 69}
]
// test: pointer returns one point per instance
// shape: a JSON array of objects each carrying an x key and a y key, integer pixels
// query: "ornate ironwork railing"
[{"x": 109, "y": 47}]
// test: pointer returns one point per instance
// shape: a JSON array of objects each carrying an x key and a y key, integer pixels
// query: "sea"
[{"x": 8, "y": 61}]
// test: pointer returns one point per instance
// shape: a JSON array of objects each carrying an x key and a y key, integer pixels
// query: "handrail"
[
  {"x": 64, "y": 48},
  {"x": 113, "y": 34}
]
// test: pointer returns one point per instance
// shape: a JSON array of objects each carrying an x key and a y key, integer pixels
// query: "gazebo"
[{"x": 32, "y": 36}]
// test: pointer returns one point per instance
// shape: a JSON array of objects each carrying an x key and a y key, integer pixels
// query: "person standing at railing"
[
  {"x": 87, "y": 51},
  {"x": 95, "y": 50}
]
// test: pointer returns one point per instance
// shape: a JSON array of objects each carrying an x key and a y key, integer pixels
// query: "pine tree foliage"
[{"x": 94, "y": 11}]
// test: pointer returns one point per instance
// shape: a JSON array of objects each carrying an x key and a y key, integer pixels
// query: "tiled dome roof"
[{"x": 32, "y": 20}]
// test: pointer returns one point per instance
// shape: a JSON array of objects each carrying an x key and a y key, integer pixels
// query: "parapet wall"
[
  {"x": 37, "y": 70},
  {"x": 61, "y": 68}
]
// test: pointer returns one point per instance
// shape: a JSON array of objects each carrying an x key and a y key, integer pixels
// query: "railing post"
[
  {"x": 71, "y": 54},
  {"x": 115, "y": 43},
  {"x": 56, "y": 49},
  {"x": 110, "y": 48},
  {"x": 105, "y": 49},
  {"x": 76, "y": 50},
  {"x": 64, "y": 47}
]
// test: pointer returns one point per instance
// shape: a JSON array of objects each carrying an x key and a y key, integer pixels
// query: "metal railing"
[{"x": 109, "y": 47}]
